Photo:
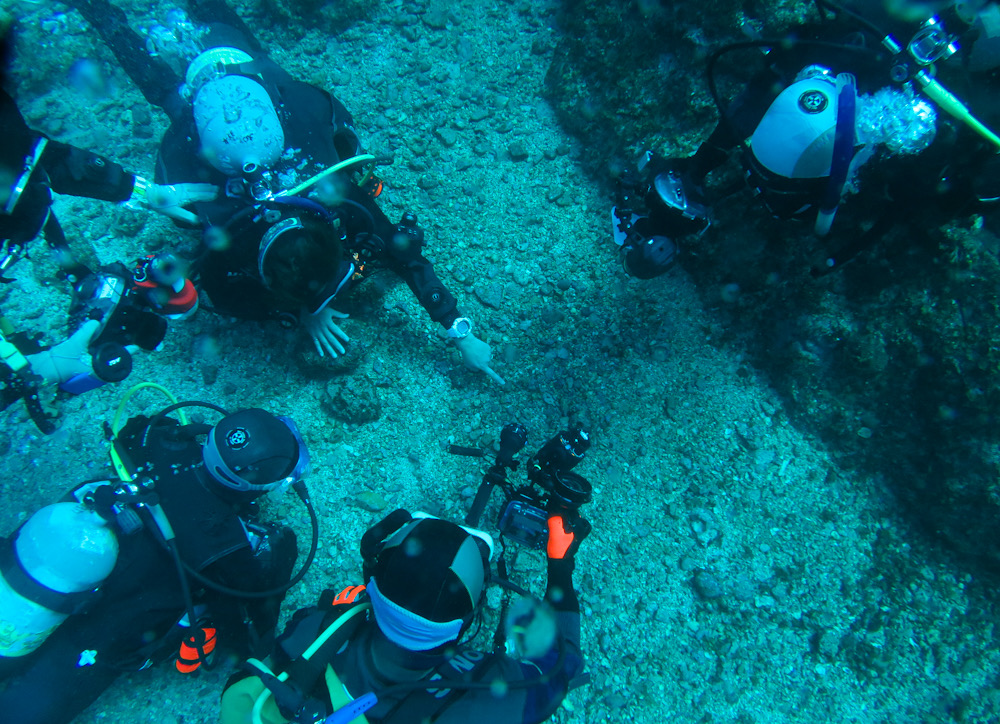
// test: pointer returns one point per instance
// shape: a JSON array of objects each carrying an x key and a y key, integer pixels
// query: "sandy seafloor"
[{"x": 734, "y": 572}]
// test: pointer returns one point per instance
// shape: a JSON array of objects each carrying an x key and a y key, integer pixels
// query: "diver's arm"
[
  {"x": 542, "y": 700},
  {"x": 537, "y": 684},
  {"x": 419, "y": 275},
  {"x": 247, "y": 625},
  {"x": 406, "y": 260},
  {"x": 70, "y": 170},
  {"x": 401, "y": 251},
  {"x": 403, "y": 256},
  {"x": 79, "y": 172}
]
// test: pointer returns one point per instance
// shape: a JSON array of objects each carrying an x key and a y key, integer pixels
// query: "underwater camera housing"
[
  {"x": 107, "y": 296},
  {"x": 552, "y": 488}
]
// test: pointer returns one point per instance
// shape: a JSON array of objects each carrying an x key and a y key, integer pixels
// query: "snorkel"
[{"x": 843, "y": 153}]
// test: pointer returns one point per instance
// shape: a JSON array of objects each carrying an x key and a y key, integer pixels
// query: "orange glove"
[{"x": 565, "y": 536}]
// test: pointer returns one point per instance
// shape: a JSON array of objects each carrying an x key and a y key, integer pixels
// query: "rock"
[
  {"x": 743, "y": 589},
  {"x": 539, "y": 47},
  {"x": 706, "y": 585},
  {"x": 479, "y": 113},
  {"x": 314, "y": 367},
  {"x": 829, "y": 644},
  {"x": 490, "y": 294},
  {"x": 518, "y": 151},
  {"x": 448, "y": 136},
  {"x": 551, "y": 315},
  {"x": 371, "y": 501},
  {"x": 141, "y": 115},
  {"x": 209, "y": 374},
  {"x": 436, "y": 18},
  {"x": 764, "y": 457},
  {"x": 703, "y": 526},
  {"x": 127, "y": 223},
  {"x": 615, "y": 700},
  {"x": 355, "y": 401}
]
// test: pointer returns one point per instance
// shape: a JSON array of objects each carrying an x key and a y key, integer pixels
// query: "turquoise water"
[{"x": 793, "y": 485}]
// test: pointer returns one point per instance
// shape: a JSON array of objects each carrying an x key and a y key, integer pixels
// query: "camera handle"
[
  {"x": 497, "y": 474},
  {"x": 512, "y": 439}
]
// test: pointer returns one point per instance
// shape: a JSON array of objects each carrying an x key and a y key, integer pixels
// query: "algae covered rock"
[{"x": 350, "y": 400}]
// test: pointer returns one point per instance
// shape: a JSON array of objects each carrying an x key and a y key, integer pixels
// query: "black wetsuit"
[
  {"x": 534, "y": 702},
  {"x": 135, "y": 618},
  {"x": 315, "y": 124},
  {"x": 61, "y": 167}
]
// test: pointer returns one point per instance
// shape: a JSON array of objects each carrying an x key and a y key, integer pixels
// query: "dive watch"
[{"x": 460, "y": 328}]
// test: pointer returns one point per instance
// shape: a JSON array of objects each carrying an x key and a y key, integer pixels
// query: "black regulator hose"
[
  {"x": 176, "y": 406},
  {"x": 821, "y": 5},
  {"x": 196, "y": 639}
]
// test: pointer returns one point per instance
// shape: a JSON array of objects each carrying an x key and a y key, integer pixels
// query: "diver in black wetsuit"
[
  {"x": 115, "y": 310},
  {"x": 134, "y": 564},
  {"x": 288, "y": 236},
  {"x": 841, "y": 109}
]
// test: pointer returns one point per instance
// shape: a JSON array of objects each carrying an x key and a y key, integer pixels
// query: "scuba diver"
[
  {"x": 395, "y": 643},
  {"x": 114, "y": 310},
  {"x": 841, "y": 108},
  {"x": 172, "y": 560},
  {"x": 297, "y": 223}
]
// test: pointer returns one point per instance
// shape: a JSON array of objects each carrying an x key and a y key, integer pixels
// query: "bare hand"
[{"x": 477, "y": 355}]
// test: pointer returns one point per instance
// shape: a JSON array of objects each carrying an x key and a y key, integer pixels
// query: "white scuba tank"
[
  {"x": 65, "y": 547},
  {"x": 795, "y": 137}
]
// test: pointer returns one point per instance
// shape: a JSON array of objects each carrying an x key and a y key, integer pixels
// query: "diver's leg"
[
  {"x": 61, "y": 681},
  {"x": 739, "y": 121},
  {"x": 209, "y": 12},
  {"x": 835, "y": 259},
  {"x": 155, "y": 78}
]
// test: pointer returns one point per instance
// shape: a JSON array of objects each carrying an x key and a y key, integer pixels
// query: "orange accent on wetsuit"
[
  {"x": 188, "y": 658},
  {"x": 348, "y": 595}
]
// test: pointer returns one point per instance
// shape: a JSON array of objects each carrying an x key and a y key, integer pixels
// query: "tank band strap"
[{"x": 24, "y": 585}]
